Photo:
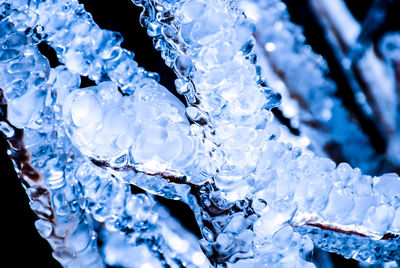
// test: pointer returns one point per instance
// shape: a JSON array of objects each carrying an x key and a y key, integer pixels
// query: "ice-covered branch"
[
  {"x": 198, "y": 39},
  {"x": 67, "y": 180},
  {"x": 53, "y": 195},
  {"x": 371, "y": 78},
  {"x": 256, "y": 199},
  {"x": 309, "y": 94}
]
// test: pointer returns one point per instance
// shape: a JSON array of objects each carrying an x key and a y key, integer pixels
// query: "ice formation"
[
  {"x": 288, "y": 61},
  {"x": 258, "y": 200}
]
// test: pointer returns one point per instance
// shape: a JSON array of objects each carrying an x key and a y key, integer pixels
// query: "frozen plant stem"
[
  {"x": 258, "y": 201},
  {"x": 301, "y": 76},
  {"x": 372, "y": 78},
  {"x": 191, "y": 32},
  {"x": 69, "y": 184}
]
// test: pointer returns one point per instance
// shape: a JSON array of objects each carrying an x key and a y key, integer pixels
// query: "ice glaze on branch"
[
  {"x": 108, "y": 199},
  {"x": 186, "y": 31},
  {"x": 257, "y": 200},
  {"x": 302, "y": 77},
  {"x": 371, "y": 79},
  {"x": 40, "y": 165}
]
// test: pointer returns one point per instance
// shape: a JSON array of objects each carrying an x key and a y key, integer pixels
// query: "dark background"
[{"x": 22, "y": 245}]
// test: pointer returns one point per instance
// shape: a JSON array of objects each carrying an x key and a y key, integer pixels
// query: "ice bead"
[
  {"x": 64, "y": 81},
  {"x": 340, "y": 204},
  {"x": 192, "y": 9},
  {"x": 271, "y": 221},
  {"x": 85, "y": 110},
  {"x": 183, "y": 65},
  {"x": 76, "y": 62},
  {"x": 283, "y": 237},
  {"x": 24, "y": 110},
  {"x": 388, "y": 184},
  {"x": 44, "y": 228},
  {"x": 6, "y": 129},
  {"x": 362, "y": 204},
  {"x": 379, "y": 218}
]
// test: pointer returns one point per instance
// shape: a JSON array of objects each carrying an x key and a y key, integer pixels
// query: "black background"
[{"x": 21, "y": 244}]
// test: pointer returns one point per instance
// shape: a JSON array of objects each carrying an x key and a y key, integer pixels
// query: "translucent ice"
[{"x": 257, "y": 200}]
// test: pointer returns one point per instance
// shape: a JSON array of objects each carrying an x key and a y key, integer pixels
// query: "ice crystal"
[{"x": 258, "y": 199}]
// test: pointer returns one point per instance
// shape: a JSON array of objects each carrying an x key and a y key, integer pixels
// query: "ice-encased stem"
[
  {"x": 277, "y": 166},
  {"x": 308, "y": 92},
  {"x": 188, "y": 39},
  {"x": 84, "y": 48},
  {"x": 105, "y": 196},
  {"x": 53, "y": 196},
  {"x": 370, "y": 78}
]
